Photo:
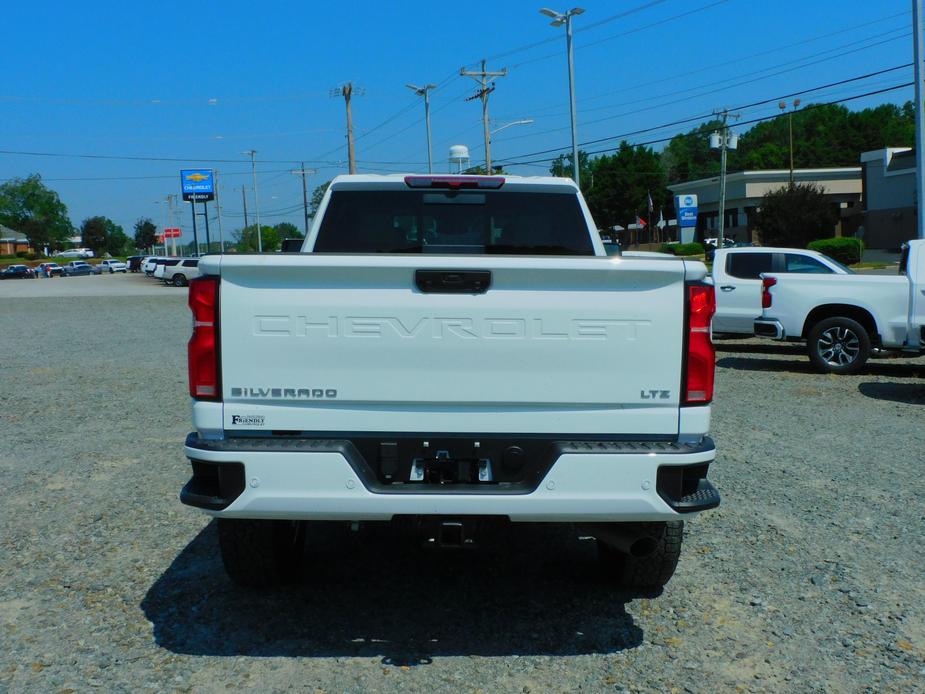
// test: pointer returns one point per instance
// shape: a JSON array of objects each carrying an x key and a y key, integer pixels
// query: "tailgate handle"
[{"x": 452, "y": 281}]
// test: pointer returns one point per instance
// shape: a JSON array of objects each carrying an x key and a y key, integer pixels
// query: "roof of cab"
[{"x": 372, "y": 181}]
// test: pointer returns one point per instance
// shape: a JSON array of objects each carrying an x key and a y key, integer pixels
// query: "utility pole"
[
  {"x": 304, "y": 172},
  {"x": 244, "y": 200},
  {"x": 558, "y": 19},
  {"x": 919, "y": 118},
  {"x": 485, "y": 88},
  {"x": 722, "y": 142},
  {"x": 348, "y": 91},
  {"x": 253, "y": 153},
  {"x": 425, "y": 92}
]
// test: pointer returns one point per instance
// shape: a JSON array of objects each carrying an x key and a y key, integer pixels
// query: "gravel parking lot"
[{"x": 808, "y": 578}]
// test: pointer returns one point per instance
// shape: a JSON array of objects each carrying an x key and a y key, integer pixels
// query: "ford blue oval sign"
[{"x": 686, "y": 207}]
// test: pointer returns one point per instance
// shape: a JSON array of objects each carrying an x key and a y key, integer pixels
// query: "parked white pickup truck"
[
  {"x": 737, "y": 277},
  {"x": 456, "y": 350},
  {"x": 842, "y": 317}
]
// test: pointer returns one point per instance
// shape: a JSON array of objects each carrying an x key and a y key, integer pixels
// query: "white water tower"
[{"x": 459, "y": 155}]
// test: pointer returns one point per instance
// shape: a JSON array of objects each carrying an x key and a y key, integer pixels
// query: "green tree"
[
  {"x": 101, "y": 234},
  {"x": 622, "y": 183},
  {"x": 94, "y": 234},
  {"x": 562, "y": 166},
  {"x": 793, "y": 216},
  {"x": 688, "y": 156},
  {"x": 287, "y": 230},
  {"x": 824, "y": 135},
  {"x": 247, "y": 239},
  {"x": 317, "y": 196},
  {"x": 119, "y": 243},
  {"x": 145, "y": 233},
  {"x": 28, "y": 206}
]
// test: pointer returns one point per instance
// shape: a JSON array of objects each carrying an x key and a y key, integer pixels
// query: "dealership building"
[{"x": 745, "y": 189}]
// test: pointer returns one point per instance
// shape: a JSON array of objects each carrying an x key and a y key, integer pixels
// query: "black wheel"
[
  {"x": 179, "y": 280},
  {"x": 111, "y": 271},
  {"x": 838, "y": 345},
  {"x": 261, "y": 553},
  {"x": 649, "y": 572}
]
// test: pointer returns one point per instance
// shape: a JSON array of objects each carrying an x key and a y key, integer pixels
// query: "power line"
[
  {"x": 612, "y": 37},
  {"x": 648, "y": 26},
  {"x": 391, "y": 118},
  {"x": 185, "y": 160},
  {"x": 747, "y": 122},
  {"x": 759, "y": 54},
  {"x": 700, "y": 117},
  {"x": 800, "y": 64},
  {"x": 756, "y": 75},
  {"x": 512, "y": 51}
]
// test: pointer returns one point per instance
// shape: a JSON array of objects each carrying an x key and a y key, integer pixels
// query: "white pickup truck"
[
  {"x": 843, "y": 317},
  {"x": 737, "y": 277},
  {"x": 457, "y": 352}
]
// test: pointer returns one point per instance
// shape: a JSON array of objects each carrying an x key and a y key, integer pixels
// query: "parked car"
[
  {"x": 80, "y": 267},
  {"x": 737, "y": 278},
  {"x": 113, "y": 266},
  {"x": 842, "y": 317},
  {"x": 17, "y": 272},
  {"x": 710, "y": 246},
  {"x": 161, "y": 264},
  {"x": 75, "y": 253},
  {"x": 181, "y": 273},
  {"x": 49, "y": 270},
  {"x": 134, "y": 262}
]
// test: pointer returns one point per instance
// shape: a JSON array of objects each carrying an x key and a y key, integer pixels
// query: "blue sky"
[{"x": 198, "y": 83}]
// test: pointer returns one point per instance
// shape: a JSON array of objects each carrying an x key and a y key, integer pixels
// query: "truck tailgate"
[{"x": 341, "y": 343}]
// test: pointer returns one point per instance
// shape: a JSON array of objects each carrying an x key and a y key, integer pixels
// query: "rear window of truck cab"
[{"x": 447, "y": 222}]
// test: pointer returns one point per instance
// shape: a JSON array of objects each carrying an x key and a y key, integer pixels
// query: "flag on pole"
[
  {"x": 649, "y": 194},
  {"x": 641, "y": 222}
]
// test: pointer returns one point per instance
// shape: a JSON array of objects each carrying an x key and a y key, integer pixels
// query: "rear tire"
[
  {"x": 652, "y": 571},
  {"x": 179, "y": 280},
  {"x": 261, "y": 553},
  {"x": 838, "y": 345}
]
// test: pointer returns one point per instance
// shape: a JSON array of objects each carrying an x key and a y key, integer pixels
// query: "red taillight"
[
  {"x": 701, "y": 356},
  {"x": 454, "y": 182},
  {"x": 766, "y": 284},
  {"x": 203, "y": 345}
]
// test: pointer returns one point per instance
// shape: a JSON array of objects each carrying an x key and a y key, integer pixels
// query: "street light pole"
[
  {"x": 425, "y": 92},
  {"x": 253, "y": 153},
  {"x": 522, "y": 121},
  {"x": 558, "y": 19}
]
